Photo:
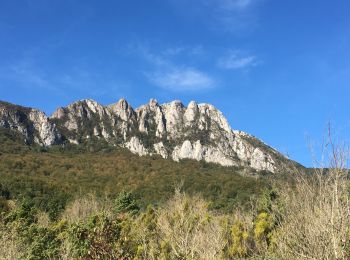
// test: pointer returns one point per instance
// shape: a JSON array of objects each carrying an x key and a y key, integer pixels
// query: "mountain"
[
  {"x": 33, "y": 124},
  {"x": 171, "y": 130}
]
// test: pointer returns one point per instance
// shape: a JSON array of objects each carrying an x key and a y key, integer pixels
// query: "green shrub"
[
  {"x": 94, "y": 239},
  {"x": 4, "y": 207},
  {"x": 125, "y": 203},
  {"x": 39, "y": 242}
]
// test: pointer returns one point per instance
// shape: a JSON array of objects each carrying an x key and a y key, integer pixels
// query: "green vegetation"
[
  {"x": 53, "y": 177},
  {"x": 288, "y": 222},
  {"x": 94, "y": 201},
  {"x": 42, "y": 189}
]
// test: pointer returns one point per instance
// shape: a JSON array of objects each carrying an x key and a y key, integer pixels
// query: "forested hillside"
[{"x": 60, "y": 174}]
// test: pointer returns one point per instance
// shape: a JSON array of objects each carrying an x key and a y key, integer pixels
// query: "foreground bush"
[
  {"x": 9, "y": 245},
  {"x": 314, "y": 222},
  {"x": 188, "y": 230}
]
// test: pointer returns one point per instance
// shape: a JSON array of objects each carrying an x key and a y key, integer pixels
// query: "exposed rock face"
[
  {"x": 123, "y": 110},
  {"x": 151, "y": 118},
  {"x": 171, "y": 130},
  {"x": 33, "y": 124},
  {"x": 160, "y": 149},
  {"x": 136, "y": 146},
  {"x": 47, "y": 133},
  {"x": 86, "y": 118},
  {"x": 199, "y": 152}
]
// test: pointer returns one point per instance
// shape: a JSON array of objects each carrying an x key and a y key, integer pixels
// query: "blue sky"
[{"x": 279, "y": 70}]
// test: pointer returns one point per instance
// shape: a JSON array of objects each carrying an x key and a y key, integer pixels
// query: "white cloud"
[
  {"x": 235, "y": 16},
  {"x": 228, "y": 5},
  {"x": 237, "y": 60},
  {"x": 182, "y": 79},
  {"x": 170, "y": 75},
  {"x": 152, "y": 58},
  {"x": 235, "y": 5},
  {"x": 183, "y": 50},
  {"x": 173, "y": 51},
  {"x": 28, "y": 75}
]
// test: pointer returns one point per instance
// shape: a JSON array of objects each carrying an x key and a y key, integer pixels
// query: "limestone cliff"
[
  {"x": 171, "y": 130},
  {"x": 33, "y": 124}
]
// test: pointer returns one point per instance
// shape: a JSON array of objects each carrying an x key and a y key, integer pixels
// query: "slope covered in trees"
[{"x": 52, "y": 177}]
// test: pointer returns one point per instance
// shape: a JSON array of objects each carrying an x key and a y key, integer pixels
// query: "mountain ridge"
[{"x": 171, "y": 130}]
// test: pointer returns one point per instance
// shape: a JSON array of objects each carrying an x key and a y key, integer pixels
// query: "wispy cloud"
[
  {"x": 175, "y": 76},
  {"x": 236, "y": 16},
  {"x": 174, "y": 51},
  {"x": 152, "y": 58},
  {"x": 235, "y": 5},
  {"x": 182, "y": 79},
  {"x": 27, "y": 74},
  {"x": 237, "y": 60},
  {"x": 183, "y": 50}
]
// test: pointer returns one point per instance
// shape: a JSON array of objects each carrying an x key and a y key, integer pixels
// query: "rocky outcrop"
[
  {"x": 136, "y": 146},
  {"x": 87, "y": 119},
  {"x": 160, "y": 149},
  {"x": 171, "y": 130},
  {"x": 46, "y": 131},
  {"x": 151, "y": 119},
  {"x": 199, "y": 152},
  {"x": 33, "y": 124},
  {"x": 123, "y": 110}
]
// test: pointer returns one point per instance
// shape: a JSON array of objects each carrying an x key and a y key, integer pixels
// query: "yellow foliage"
[
  {"x": 263, "y": 226},
  {"x": 239, "y": 236}
]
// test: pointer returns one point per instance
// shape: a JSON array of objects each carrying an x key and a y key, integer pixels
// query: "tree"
[{"x": 125, "y": 203}]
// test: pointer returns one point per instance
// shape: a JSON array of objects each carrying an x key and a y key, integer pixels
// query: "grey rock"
[
  {"x": 33, "y": 124},
  {"x": 171, "y": 130}
]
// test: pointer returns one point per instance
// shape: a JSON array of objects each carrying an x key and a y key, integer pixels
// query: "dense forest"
[{"x": 54, "y": 176}]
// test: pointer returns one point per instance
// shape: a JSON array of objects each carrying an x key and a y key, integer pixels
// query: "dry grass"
[
  {"x": 191, "y": 231},
  {"x": 9, "y": 246},
  {"x": 315, "y": 215},
  {"x": 43, "y": 219},
  {"x": 82, "y": 208}
]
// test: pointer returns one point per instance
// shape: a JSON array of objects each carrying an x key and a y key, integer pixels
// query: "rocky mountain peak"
[
  {"x": 94, "y": 106},
  {"x": 209, "y": 111},
  {"x": 176, "y": 105},
  {"x": 59, "y": 113},
  {"x": 122, "y": 109},
  {"x": 191, "y": 112},
  {"x": 173, "y": 114},
  {"x": 122, "y": 104},
  {"x": 153, "y": 103},
  {"x": 171, "y": 130},
  {"x": 192, "y": 105},
  {"x": 32, "y": 123}
]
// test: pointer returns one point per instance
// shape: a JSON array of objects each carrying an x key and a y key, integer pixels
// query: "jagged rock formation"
[
  {"x": 171, "y": 130},
  {"x": 31, "y": 123}
]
